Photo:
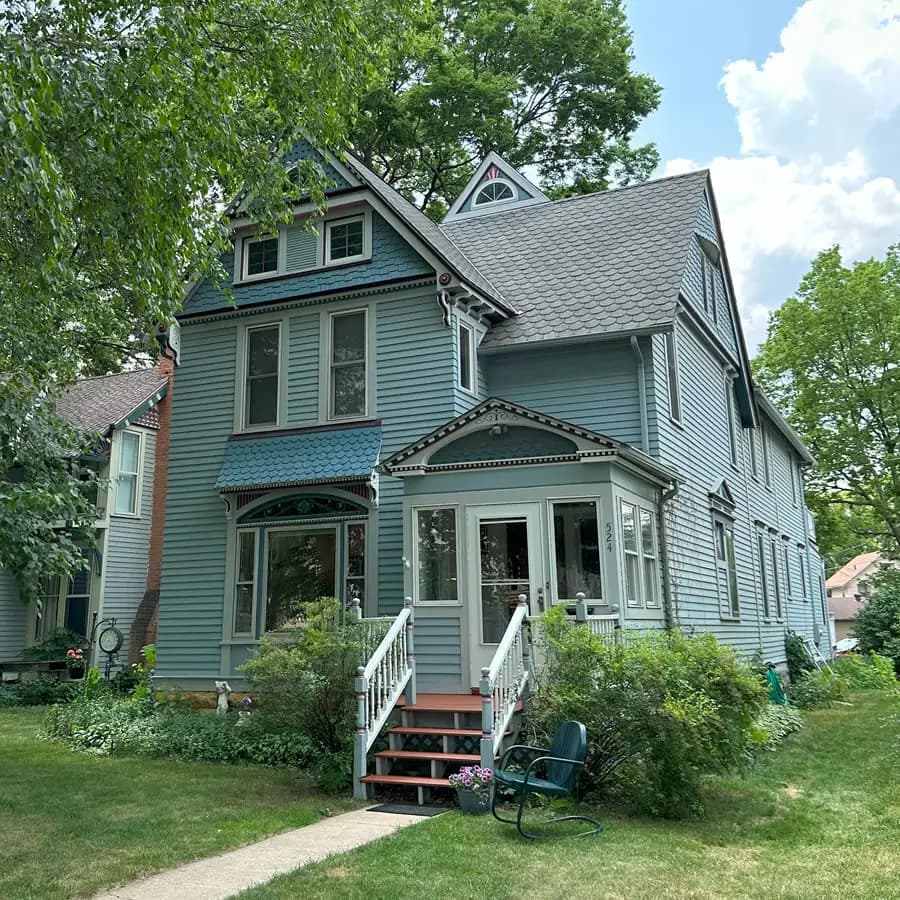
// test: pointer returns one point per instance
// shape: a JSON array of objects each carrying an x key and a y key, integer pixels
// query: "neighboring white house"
[{"x": 849, "y": 589}]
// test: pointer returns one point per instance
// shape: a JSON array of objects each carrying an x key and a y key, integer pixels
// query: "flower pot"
[
  {"x": 76, "y": 672},
  {"x": 475, "y": 804}
]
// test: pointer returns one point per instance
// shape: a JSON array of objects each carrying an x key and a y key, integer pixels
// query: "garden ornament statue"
[
  {"x": 223, "y": 689},
  {"x": 244, "y": 711}
]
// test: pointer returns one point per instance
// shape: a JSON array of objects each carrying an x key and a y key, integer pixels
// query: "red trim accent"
[{"x": 307, "y": 429}]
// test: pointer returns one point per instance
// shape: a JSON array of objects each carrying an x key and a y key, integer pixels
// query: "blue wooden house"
[{"x": 537, "y": 399}]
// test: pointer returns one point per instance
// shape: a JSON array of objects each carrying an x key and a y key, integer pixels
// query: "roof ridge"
[{"x": 115, "y": 375}]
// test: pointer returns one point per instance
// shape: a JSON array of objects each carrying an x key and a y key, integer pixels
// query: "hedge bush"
[
  {"x": 818, "y": 688},
  {"x": 864, "y": 672},
  {"x": 662, "y": 712},
  {"x": 774, "y": 724},
  {"x": 877, "y": 625},
  {"x": 40, "y": 691}
]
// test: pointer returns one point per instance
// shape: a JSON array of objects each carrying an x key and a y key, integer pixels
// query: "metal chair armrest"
[
  {"x": 541, "y": 759},
  {"x": 510, "y": 750}
]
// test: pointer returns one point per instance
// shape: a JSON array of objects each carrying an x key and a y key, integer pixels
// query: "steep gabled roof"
[
  {"x": 595, "y": 265},
  {"x": 103, "y": 403}
]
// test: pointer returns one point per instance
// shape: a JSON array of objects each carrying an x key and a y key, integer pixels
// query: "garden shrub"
[
  {"x": 774, "y": 724},
  {"x": 303, "y": 681},
  {"x": 662, "y": 712},
  {"x": 877, "y": 626},
  {"x": 820, "y": 687},
  {"x": 866, "y": 672},
  {"x": 40, "y": 691},
  {"x": 798, "y": 659},
  {"x": 55, "y": 645}
]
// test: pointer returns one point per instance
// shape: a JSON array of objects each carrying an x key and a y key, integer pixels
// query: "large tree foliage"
[
  {"x": 545, "y": 83},
  {"x": 832, "y": 361},
  {"x": 125, "y": 126}
]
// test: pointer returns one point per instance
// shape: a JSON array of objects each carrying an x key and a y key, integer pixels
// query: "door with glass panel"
[{"x": 504, "y": 561}]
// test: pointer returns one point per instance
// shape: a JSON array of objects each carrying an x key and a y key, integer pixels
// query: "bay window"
[
  {"x": 640, "y": 556},
  {"x": 245, "y": 583}
]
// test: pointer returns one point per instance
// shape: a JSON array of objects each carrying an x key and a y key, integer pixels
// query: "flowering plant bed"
[{"x": 473, "y": 788}]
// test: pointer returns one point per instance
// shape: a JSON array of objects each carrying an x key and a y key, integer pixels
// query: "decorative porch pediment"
[{"x": 498, "y": 433}]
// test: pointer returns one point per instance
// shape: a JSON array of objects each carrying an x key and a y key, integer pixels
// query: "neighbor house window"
[
  {"x": 672, "y": 376},
  {"x": 576, "y": 545},
  {"x": 639, "y": 556},
  {"x": 127, "y": 476},
  {"x": 729, "y": 413},
  {"x": 345, "y": 240},
  {"x": 726, "y": 569},
  {"x": 245, "y": 583},
  {"x": 355, "y": 578},
  {"x": 436, "y": 574},
  {"x": 348, "y": 392},
  {"x": 495, "y": 191},
  {"x": 776, "y": 574},
  {"x": 261, "y": 385},
  {"x": 466, "y": 357},
  {"x": 260, "y": 256},
  {"x": 763, "y": 574}
]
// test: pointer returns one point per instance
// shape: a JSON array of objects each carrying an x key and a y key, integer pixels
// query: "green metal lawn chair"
[{"x": 559, "y": 765}]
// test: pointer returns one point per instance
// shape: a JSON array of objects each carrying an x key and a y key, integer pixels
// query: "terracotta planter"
[{"x": 475, "y": 804}]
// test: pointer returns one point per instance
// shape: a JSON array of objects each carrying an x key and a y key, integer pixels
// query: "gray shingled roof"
[
  {"x": 98, "y": 404},
  {"x": 431, "y": 233},
  {"x": 593, "y": 265}
]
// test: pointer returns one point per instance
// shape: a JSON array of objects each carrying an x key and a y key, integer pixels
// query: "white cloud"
[{"x": 819, "y": 120}]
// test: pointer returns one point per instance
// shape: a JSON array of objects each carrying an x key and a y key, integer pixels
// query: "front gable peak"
[{"x": 495, "y": 187}]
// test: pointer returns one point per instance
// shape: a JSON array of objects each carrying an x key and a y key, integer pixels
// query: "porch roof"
[{"x": 305, "y": 456}]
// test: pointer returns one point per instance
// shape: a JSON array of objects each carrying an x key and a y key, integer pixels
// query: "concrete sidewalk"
[{"x": 227, "y": 874}]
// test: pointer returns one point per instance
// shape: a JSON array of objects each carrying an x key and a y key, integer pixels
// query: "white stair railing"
[
  {"x": 390, "y": 671},
  {"x": 503, "y": 683}
]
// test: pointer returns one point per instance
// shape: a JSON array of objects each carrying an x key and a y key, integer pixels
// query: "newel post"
[
  {"x": 486, "y": 689},
  {"x": 360, "y": 738},
  {"x": 355, "y": 609},
  {"x": 580, "y": 608},
  {"x": 411, "y": 651}
]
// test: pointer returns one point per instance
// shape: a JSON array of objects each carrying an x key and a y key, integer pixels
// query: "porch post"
[
  {"x": 580, "y": 608},
  {"x": 411, "y": 651},
  {"x": 359, "y": 740},
  {"x": 355, "y": 609},
  {"x": 487, "y": 719}
]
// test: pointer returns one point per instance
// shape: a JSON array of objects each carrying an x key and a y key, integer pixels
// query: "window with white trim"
[
  {"x": 726, "y": 568},
  {"x": 788, "y": 580},
  {"x": 466, "y": 346},
  {"x": 672, "y": 381},
  {"x": 754, "y": 459},
  {"x": 763, "y": 574},
  {"x": 804, "y": 573},
  {"x": 128, "y": 474},
  {"x": 576, "y": 547},
  {"x": 766, "y": 452},
  {"x": 345, "y": 239},
  {"x": 729, "y": 414},
  {"x": 708, "y": 274},
  {"x": 355, "y": 575},
  {"x": 497, "y": 190},
  {"x": 639, "y": 556},
  {"x": 262, "y": 375},
  {"x": 245, "y": 582},
  {"x": 792, "y": 466},
  {"x": 348, "y": 365},
  {"x": 776, "y": 574},
  {"x": 64, "y": 602},
  {"x": 260, "y": 256},
  {"x": 436, "y": 566}
]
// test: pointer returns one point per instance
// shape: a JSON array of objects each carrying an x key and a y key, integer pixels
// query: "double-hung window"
[
  {"x": 788, "y": 580},
  {"x": 767, "y": 455},
  {"x": 804, "y": 573},
  {"x": 345, "y": 240},
  {"x": 245, "y": 582},
  {"x": 260, "y": 257},
  {"x": 776, "y": 575},
  {"x": 261, "y": 382},
  {"x": 729, "y": 414},
  {"x": 127, "y": 478},
  {"x": 751, "y": 445},
  {"x": 348, "y": 365},
  {"x": 640, "y": 556},
  {"x": 672, "y": 377},
  {"x": 763, "y": 574},
  {"x": 726, "y": 568},
  {"x": 576, "y": 544},
  {"x": 355, "y": 542},
  {"x": 794, "y": 491},
  {"x": 466, "y": 341},
  {"x": 435, "y": 555}
]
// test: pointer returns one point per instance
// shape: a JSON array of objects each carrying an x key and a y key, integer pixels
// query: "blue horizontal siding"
[{"x": 13, "y": 619}]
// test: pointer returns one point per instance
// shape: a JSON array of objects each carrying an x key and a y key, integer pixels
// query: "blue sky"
[{"x": 795, "y": 107}]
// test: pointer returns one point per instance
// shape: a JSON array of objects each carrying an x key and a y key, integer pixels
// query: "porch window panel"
[
  {"x": 301, "y": 570},
  {"x": 649, "y": 557},
  {"x": 631, "y": 555},
  {"x": 436, "y": 555},
  {"x": 245, "y": 585},
  {"x": 503, "y": 546},
  {"x": 261, "y": 396},
  {"x": 577, "y": 550},
  {"x": 355, "y": 583}
]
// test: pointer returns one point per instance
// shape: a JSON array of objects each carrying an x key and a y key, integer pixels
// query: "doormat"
[{"x": 409, "y": 809}]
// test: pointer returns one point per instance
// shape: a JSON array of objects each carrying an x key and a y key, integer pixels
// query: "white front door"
[{"x": 504, "y": 559}]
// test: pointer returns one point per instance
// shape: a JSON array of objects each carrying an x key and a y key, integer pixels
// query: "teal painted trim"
[
  {"x": 138, "y": 411},
  {"x": 559, "y": 475}
]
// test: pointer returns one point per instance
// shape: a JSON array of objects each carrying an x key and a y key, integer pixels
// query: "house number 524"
[{"x": 608, "y": 537}]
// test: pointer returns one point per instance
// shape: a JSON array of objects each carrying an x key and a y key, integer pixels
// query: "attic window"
[
  {"x": 495, "y": 191},
  {"x": 260, "y": 256}
]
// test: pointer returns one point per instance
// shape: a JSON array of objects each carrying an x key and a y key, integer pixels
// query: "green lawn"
[
  {"x": 818, "y": 819},
  {"x": 71, "y": 823}
]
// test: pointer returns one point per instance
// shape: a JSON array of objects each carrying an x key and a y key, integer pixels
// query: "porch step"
[
  {"x": 436, "y": 732},
  {"x": 419, "y": 756},
  {"x": 446, "y": 703},
  {"x": 406, "y": 780}
]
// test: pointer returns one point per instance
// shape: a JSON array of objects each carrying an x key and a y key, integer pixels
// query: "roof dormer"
[{"x": 495, "y": 187}]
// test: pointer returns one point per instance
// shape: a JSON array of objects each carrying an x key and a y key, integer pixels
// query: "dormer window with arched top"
[{"x": 494, "y": 191}]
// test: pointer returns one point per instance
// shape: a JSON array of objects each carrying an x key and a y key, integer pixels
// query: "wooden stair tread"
[
  {"x": 427, "y": 756},
  {"x": 453, "y": 703},
  {"x": 409, "y": 780},
  {"x": 437, "y": 732}
]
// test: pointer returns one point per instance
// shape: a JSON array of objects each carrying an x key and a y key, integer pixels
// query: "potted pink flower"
[
  {"x": 75, "y": 662},
  {"x": 473, "y": 788}
]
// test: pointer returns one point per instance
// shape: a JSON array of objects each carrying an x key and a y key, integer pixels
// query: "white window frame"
[
  {"x": 786, "y": 558},
  {"x": 490, "y": 181},
  {"x": 328, "y": 366},
  {"x": 366, "y": 239},
  {"x": 729, "y": 606},
  {"x": 767, "y": 455},
  {"x": 730, "y": 416},
  {"x": 776, "y": 574},
  {"x": 465, "y": 333},
  {"x": 243, "y": 406},
  {"x": 753, "y": 453},
  {"x": 673, "y": 378},
  {"x": 804, "y": 572},
  {"x": 135, "y": 513},
  {"x": 763, "y": 574},
  {"x": 414, "y": 554},
  {"x": 794, "y": 474},
  {"x": 62, "y": 596},
  {"x": 245, "y": 256},
  {"x": 554, "y": 581},
  {"x": 639, "y": 602},
  {"x": 356, "y": 523},
  {"x": 254, "y": 593}
]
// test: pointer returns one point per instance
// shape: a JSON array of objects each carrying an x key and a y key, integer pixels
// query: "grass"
[
  {"x": 819, "y": 818},
  {"x": 71, "y": 823}
]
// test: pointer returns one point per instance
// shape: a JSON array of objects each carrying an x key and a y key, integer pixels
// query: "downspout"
[
  {"x": 642, "y": 393},
  {"x": 668, "y": 604}
]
